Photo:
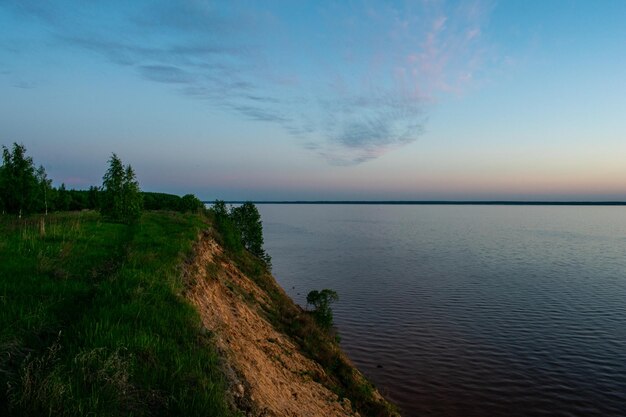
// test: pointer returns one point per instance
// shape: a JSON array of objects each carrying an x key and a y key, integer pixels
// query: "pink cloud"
[
  {"x": 472, "y": 33},
  {"x": 439, "y": 23}
]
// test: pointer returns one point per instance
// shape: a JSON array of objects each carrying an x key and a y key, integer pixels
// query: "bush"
[
  {"x": 321, "y": 301},
  {"x": 190, "y": 202}
]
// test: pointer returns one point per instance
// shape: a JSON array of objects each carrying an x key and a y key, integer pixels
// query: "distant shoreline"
[{"x": 440, "y": 202}]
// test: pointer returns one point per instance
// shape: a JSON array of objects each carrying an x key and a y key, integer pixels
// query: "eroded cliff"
[{"x": 272, "y": 371}]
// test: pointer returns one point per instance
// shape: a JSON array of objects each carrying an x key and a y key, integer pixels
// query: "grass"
[{"x": 92, "y": 320}]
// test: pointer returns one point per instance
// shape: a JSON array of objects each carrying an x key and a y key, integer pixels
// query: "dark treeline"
[
  {"x": 163, "y": 201},
  {"x": 25, "y": 189}
]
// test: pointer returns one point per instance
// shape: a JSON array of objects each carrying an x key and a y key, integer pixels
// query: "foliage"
[
  {"x": 228, "y": 230},
  {"x": 190, "y": 202},
  {"x": 44, "y": 191},
  {"x": 93, "y": 322},
  {"x": 18, "y": 182},
  {"x": 160, "y": 201},
  {"x": 163, "y": 201},
  {"x": 131, "y": 196},
  {"x": 93, "y": 197},
  {"x": 241, "y": 227},
  {"x": 315, "y": 342},
  {"x": 248, "y": 220},
  {"x": 31, "y": 191},
  {"x": 63, "y": 199},
  {"x": 90, "y": 200},
  {"x": 121, "y": 197},
  {"x": 220, "y": 210},
  {"x": 112, "y": 189},
  {"x": 321, "y": 301}
]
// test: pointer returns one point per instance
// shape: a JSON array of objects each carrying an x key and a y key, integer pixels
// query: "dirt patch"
[{"x": 269, "y": 376}]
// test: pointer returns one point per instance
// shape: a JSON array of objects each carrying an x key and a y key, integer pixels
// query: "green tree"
[
  {"x": 112, "y": 183},
  {"x": 131, "y": 196},
  {"x": 63, "y": 199},
  {"x": 93, "y": 197},
  {"x": 44, "y": 188},
  {"x": 228, "y": 230},
  {"x": 190, "y": 202},
  {"x": 321, "y": 301},
  {"x": 241, "y": 227},
  {"x": 160, "y": 201},
  {"x": 220, "y": 210},
  {"x": 121, "y": 196},
  {"x": 2, "y": 197},
  {"x": 248, "y": 221},
  {"x": 18, "y": 183},
  {"x": 78, "y": 199}
]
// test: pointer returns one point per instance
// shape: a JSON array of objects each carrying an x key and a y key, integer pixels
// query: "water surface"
[{"x": 469, "y": 310}]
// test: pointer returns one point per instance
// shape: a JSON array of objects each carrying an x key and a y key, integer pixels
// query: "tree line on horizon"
[{"x": 25, "y": 189}]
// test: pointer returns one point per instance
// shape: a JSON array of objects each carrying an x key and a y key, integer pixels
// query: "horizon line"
[{"x": 432, "y": 202}]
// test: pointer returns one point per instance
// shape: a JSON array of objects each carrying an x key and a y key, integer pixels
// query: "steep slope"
[{"x": 270, "y": 372}]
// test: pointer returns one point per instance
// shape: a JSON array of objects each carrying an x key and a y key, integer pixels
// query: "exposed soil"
[{"x": 268, "y": 375}]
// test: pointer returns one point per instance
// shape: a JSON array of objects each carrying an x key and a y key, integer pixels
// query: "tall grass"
[{"x": 93, "y": 322}]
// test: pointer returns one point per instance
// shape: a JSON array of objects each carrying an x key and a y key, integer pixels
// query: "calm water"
[{"x": 469, "y": 310}]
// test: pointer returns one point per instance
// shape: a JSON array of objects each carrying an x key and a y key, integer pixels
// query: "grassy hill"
[
  {"x": 92, "y": 320},
  {"x": 105, "y": 319}
]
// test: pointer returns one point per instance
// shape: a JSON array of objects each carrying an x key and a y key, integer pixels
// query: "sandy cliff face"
[{"x": 269, "y": 376}]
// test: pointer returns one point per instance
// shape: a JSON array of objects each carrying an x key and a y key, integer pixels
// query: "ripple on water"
[{"x": 469, "y": 311}]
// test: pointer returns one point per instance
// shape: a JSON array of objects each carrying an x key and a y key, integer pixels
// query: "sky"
[{"x": 323, "y": 100}]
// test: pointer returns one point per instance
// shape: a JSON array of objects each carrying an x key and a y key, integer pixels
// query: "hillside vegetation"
[
  {"x": 122, "y": 311},
  {"x": 108, "y": 319},
  {"x": 285, "y": 362},
  {"x": 94, "y": 322}
]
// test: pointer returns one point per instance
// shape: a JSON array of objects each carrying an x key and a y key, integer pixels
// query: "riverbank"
[{"x": 157, "y": 319}]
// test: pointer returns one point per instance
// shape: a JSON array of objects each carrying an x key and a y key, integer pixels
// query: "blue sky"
[{"x": 323, "y": 100}]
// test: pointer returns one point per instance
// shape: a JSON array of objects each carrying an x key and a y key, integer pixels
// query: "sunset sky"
[{"x": 323, "y": 100}]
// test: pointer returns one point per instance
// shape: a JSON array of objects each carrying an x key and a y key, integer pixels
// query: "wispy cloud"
[
  {"x": 166, "y": 74},
  {"x": 261, "y": 114},
  {"x": 25, "y": 85},
  {"x": 350, "y": 88}
]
